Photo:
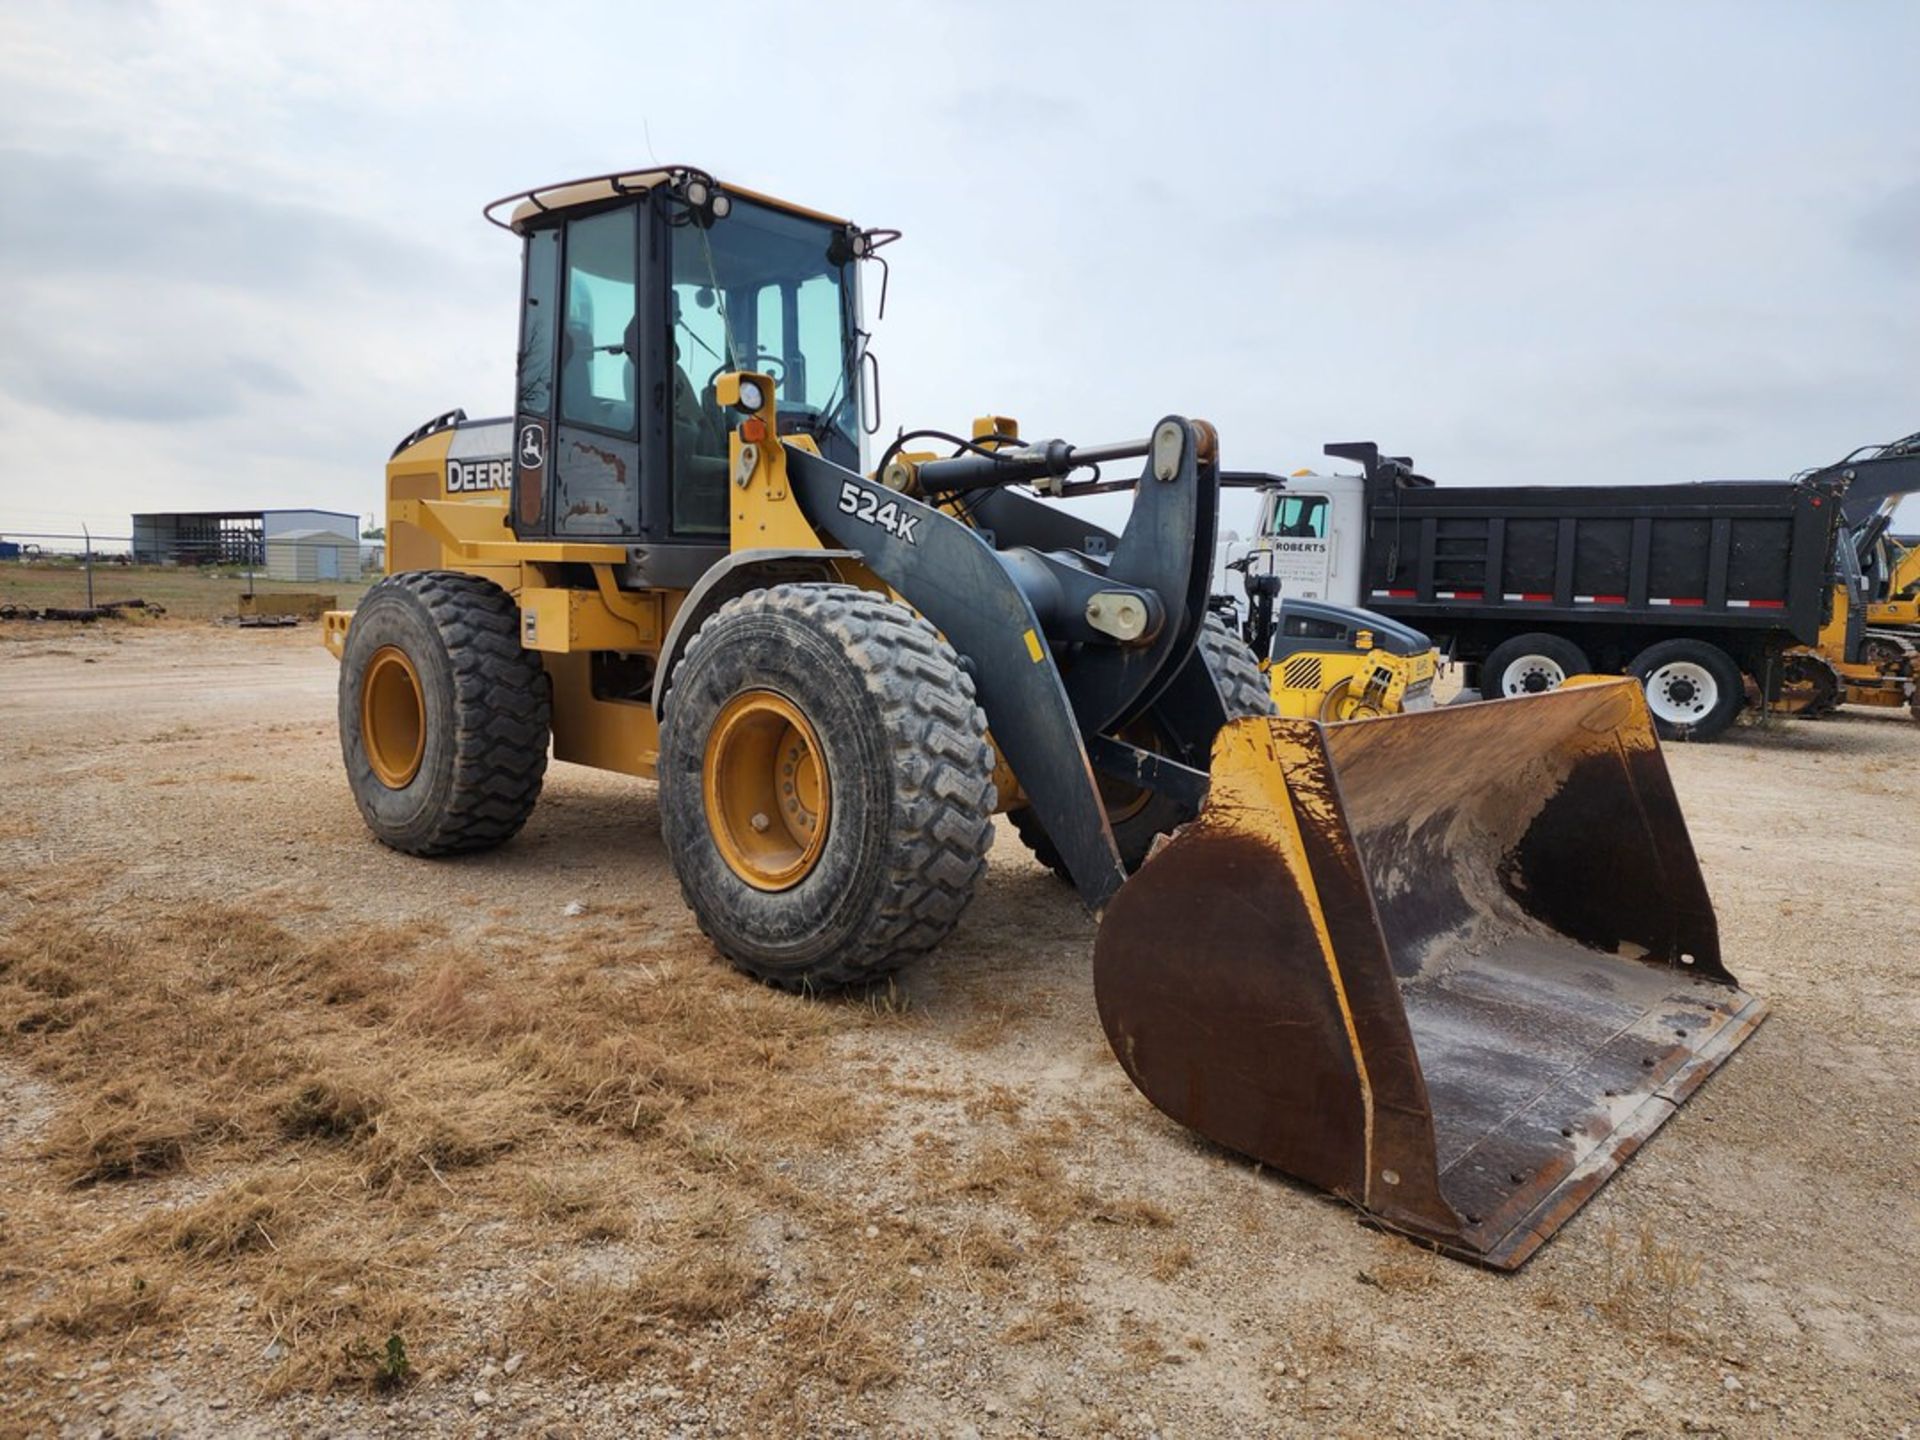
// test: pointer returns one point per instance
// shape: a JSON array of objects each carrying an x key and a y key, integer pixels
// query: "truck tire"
[
  {"x": 1531, "y": 664},
  {"x": 1693, "y": 688},
  {"x": 444, "y": 719},
  {"x": 826, "y": 785},
  {"x": 1139, "y": 817}
]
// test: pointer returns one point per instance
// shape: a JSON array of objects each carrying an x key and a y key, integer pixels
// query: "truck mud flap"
[{"x": 1454, "y": 967}]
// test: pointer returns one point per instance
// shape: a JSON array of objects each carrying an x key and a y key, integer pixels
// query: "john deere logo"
[{"x": 533, "y": 446}]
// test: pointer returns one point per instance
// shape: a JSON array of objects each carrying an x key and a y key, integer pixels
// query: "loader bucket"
[{"x": 1453, "y": 966}]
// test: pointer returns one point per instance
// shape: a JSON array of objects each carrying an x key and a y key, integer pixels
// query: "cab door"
[
  {"x": 595, "y": 455},
  {"x": 1311, "y": 538}
]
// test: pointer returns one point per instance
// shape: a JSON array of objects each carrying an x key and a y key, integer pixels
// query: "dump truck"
[
  {"x": 1452, "y": 987},
  {"x": 1689, "y": 588}
]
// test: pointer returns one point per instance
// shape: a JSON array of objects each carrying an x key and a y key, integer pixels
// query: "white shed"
[{"x": 312, "y": 555}]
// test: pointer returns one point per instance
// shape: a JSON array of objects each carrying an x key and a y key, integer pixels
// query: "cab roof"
[{"x": 525, "y": 206}]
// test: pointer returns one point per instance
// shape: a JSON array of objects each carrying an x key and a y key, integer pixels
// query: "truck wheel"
[
  {"x": 1138, "y": 816},
  {"x": 1531, "y": 665},
  {"x": 826, "y": 785},
  {"x": 1693, "y": 688},
  {"x": 443, "y": 717}
]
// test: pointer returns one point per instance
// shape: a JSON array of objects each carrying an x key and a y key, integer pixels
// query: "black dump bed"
[{"x": 1737, "y": 555}]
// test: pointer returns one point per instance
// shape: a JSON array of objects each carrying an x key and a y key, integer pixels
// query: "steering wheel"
[{"x": 778, "y": 373}]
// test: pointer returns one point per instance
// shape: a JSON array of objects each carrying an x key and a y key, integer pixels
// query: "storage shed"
[{"x": 312, "y": 555}]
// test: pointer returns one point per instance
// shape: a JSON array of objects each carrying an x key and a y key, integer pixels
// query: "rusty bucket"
[{"x": 1454, "y": 967}]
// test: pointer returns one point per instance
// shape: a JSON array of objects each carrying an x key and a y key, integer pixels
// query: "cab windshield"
[{"x": 767, "y": 291}]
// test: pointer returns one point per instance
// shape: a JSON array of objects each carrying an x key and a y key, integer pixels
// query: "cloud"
[
  {"x": 111, "y": 218},
  {"x": 1889, "y": 229},
  {"x": 241, "y": 253},
  {"x": 1007, "y": 109}
]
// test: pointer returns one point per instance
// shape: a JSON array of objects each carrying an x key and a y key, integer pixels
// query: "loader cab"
[
  {"x": 1310, "y": 537},
  {"x": 638, "y": 292}
]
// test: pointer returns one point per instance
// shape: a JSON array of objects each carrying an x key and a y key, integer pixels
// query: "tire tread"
[
  {"x": 943, "y": 799},
  {"x": 502, "y": 710}
]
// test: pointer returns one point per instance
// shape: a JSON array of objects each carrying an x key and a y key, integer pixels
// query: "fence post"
[{"x": 89, "y": 534}]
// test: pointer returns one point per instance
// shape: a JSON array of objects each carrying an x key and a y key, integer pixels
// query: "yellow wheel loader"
[{"x": 1453, "y": 966}]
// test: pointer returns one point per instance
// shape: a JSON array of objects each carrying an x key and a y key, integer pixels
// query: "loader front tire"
[
  {"x": 444, "y": 719},
  {"x": 866, "y": 851},
  {"x": 1139, "y": 817}
]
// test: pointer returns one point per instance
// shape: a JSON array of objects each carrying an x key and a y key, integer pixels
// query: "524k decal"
[{"x": 864, "y": 504}]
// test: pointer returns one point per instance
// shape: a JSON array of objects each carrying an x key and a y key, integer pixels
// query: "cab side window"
[
  {"x": 1298, "y": 516},
  {"x": 597, "y": 349}
]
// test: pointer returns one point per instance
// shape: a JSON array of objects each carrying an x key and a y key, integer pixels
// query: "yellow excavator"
[
  {"x": 1899, "y": 600},
  {"x": 1818, "y": 679},
  {"x": 1868, "y": 651},
  {"x": 1454, "y": 966}
]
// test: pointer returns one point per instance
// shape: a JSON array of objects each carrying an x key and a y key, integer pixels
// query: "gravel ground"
[{"x": 1755, "y": 1270}]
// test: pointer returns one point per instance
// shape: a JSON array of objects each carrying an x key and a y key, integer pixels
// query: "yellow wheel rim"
[
  {"x": 1121, "y": 800},
  {"x": 393, "y": 717},
  {"x": 765, "y": 785}
]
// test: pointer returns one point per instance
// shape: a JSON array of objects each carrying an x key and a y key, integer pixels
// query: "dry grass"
[
  {"x": 581, "y": 1203},
  {"x": 1062, "y": 1312},
  {"x": 360, "y": 1090},
  {"x": 837, "y": 1343},
  {"x": 1171, "y": 1261},
  {"x": 1408, "y": 1271},
  {"x": 600, "y": 1326},
  {"x": 123, "y": 1130},
  {"x": 1649, "y": 1286},
  {"x": 117, "y": 1306},
  {"x": 1029, "y": 1174},
  {"x": 326, "y": 1137},
  {"x": 187, "y": 593}
]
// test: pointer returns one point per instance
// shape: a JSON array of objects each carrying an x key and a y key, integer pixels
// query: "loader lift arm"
[{"x": 1052, "y": 681}]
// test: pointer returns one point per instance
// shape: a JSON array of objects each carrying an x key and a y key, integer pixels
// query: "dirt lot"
[{"x": 301, "y": 1136}]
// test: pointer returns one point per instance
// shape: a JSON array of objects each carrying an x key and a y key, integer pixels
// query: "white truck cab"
[{"x": 1311, "y": 534}]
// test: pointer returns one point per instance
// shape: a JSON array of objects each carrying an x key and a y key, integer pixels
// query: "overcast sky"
[{"x": 241, "y": 250}]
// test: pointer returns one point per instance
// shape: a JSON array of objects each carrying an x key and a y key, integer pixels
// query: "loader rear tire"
[
  {"x": 1694, "y": 689},
  {"x": 884, "y": 856},
  {"x": 444, "y": 719},
  {"x": 1139, "y": 817}
]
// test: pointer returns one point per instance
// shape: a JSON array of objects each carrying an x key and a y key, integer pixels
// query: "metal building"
[
  {"x": 312, "y": 555},
  {"x": 231, "y": 537}
]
